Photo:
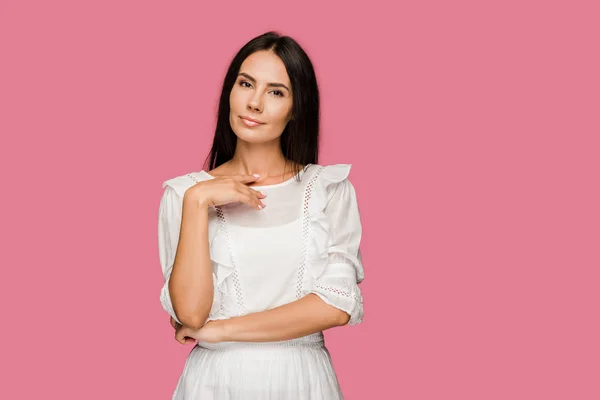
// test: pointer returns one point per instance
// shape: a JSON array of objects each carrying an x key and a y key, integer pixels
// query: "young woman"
[{"x": 261, "y": 253}]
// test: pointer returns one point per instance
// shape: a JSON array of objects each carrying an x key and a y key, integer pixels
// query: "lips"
[{"x": 251, "y": 122}]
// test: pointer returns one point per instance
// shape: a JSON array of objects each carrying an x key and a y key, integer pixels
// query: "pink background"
[{"x": 473, "y": 130}]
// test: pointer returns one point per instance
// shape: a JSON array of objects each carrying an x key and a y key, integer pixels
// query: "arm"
[
  {"x": 185, "y": 259},
  {"x": 299, "y": 318}
]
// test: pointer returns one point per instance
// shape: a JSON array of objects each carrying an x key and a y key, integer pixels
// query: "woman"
[{"x": 261, "y": 254}]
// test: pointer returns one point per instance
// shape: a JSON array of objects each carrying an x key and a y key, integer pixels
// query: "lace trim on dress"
[
  {"x": 234, "y": 274},
  {"x": 306, "y": 231}
]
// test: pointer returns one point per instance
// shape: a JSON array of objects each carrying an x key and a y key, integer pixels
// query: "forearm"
[
  {"x": 299, "y": 318},
  {"x": 191, "y": 284}
]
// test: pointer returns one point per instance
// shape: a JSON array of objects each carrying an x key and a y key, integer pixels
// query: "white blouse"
[{"x": 306, "y": 240}]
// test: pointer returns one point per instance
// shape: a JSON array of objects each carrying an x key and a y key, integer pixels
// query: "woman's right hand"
[{"x": 227, "y": 189}]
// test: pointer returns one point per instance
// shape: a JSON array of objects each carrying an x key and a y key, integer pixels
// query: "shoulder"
[
  {"x": 331, "y": 173},
  {"x": 332, "y": 177},
  {"x": 181, "y": 183},
  {"x": 329, "y": 182}
]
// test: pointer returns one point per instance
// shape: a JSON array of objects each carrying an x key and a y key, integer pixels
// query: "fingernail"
[
  {"x": 260, "y": 206},
  {"x": 263, "y": 193},
  {"x": 256, "y": 175}
]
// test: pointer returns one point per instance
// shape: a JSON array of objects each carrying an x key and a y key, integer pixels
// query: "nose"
[{"x": 254, "y": 103}]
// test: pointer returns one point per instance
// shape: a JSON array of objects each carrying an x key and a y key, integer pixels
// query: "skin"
[{"x": 258, "y": 152}]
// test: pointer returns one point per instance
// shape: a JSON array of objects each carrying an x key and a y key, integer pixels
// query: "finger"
[
  {"x": 179, "y": 338},
  {"x": 252, "y": 200},
  {"x": 254, "y": 194},
  {"x": 179, "y": 333},
  {"x": 257, "y": 192},
  {"x": 242, "y": 178},
  {"x": 249, "y": 190}
]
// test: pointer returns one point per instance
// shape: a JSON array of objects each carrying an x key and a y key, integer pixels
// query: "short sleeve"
[
  {"x": 169, "y": 224},
  {"x": 336, "y": 280}
]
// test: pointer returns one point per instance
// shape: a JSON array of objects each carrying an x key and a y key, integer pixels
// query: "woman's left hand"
[{"x": 211, "y": 332}]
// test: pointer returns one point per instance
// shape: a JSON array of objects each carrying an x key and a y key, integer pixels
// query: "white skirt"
[{"x": 298, "y": 369}]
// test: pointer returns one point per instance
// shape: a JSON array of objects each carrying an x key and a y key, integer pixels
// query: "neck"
[{"x": 265, "y": 159}]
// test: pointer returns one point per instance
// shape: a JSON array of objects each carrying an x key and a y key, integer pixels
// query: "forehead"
[{"x": 265, "y": 66}]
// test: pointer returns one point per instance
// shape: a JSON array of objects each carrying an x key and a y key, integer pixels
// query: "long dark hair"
[{"x": 300, "y": 138}]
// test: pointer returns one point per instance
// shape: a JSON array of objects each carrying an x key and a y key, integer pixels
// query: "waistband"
[{"x": 315, "y": 340}]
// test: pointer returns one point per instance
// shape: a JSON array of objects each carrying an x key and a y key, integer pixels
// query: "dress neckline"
[{"x": 275, "y": 185}]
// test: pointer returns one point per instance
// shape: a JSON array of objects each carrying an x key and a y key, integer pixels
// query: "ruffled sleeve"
[
  {"x": 335, "y": 261},
  {"x": 169, "y": 223}
]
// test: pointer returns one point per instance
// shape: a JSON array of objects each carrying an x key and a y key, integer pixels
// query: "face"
[{"x": 262, "y": 92}]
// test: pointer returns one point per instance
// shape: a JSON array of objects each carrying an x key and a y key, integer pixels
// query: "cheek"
[
  {"x": 235, "y": 99},
  {"x": 282, "y": 112}
]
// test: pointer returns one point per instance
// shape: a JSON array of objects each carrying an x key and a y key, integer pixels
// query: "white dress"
[{"x": 306, "y": 240}]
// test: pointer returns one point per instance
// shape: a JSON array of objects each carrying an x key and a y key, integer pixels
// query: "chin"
[
  {"x": 254, "y": 137},
  {"x": 249, "y": 135}
]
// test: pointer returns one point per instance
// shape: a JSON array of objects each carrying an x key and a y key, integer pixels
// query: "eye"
[
  {"x": 244, "y": 83},
  {"x": 278, "y": 91}
]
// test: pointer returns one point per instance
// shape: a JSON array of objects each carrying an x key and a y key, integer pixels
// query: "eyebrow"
[{"x": 270, "y": 84}]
